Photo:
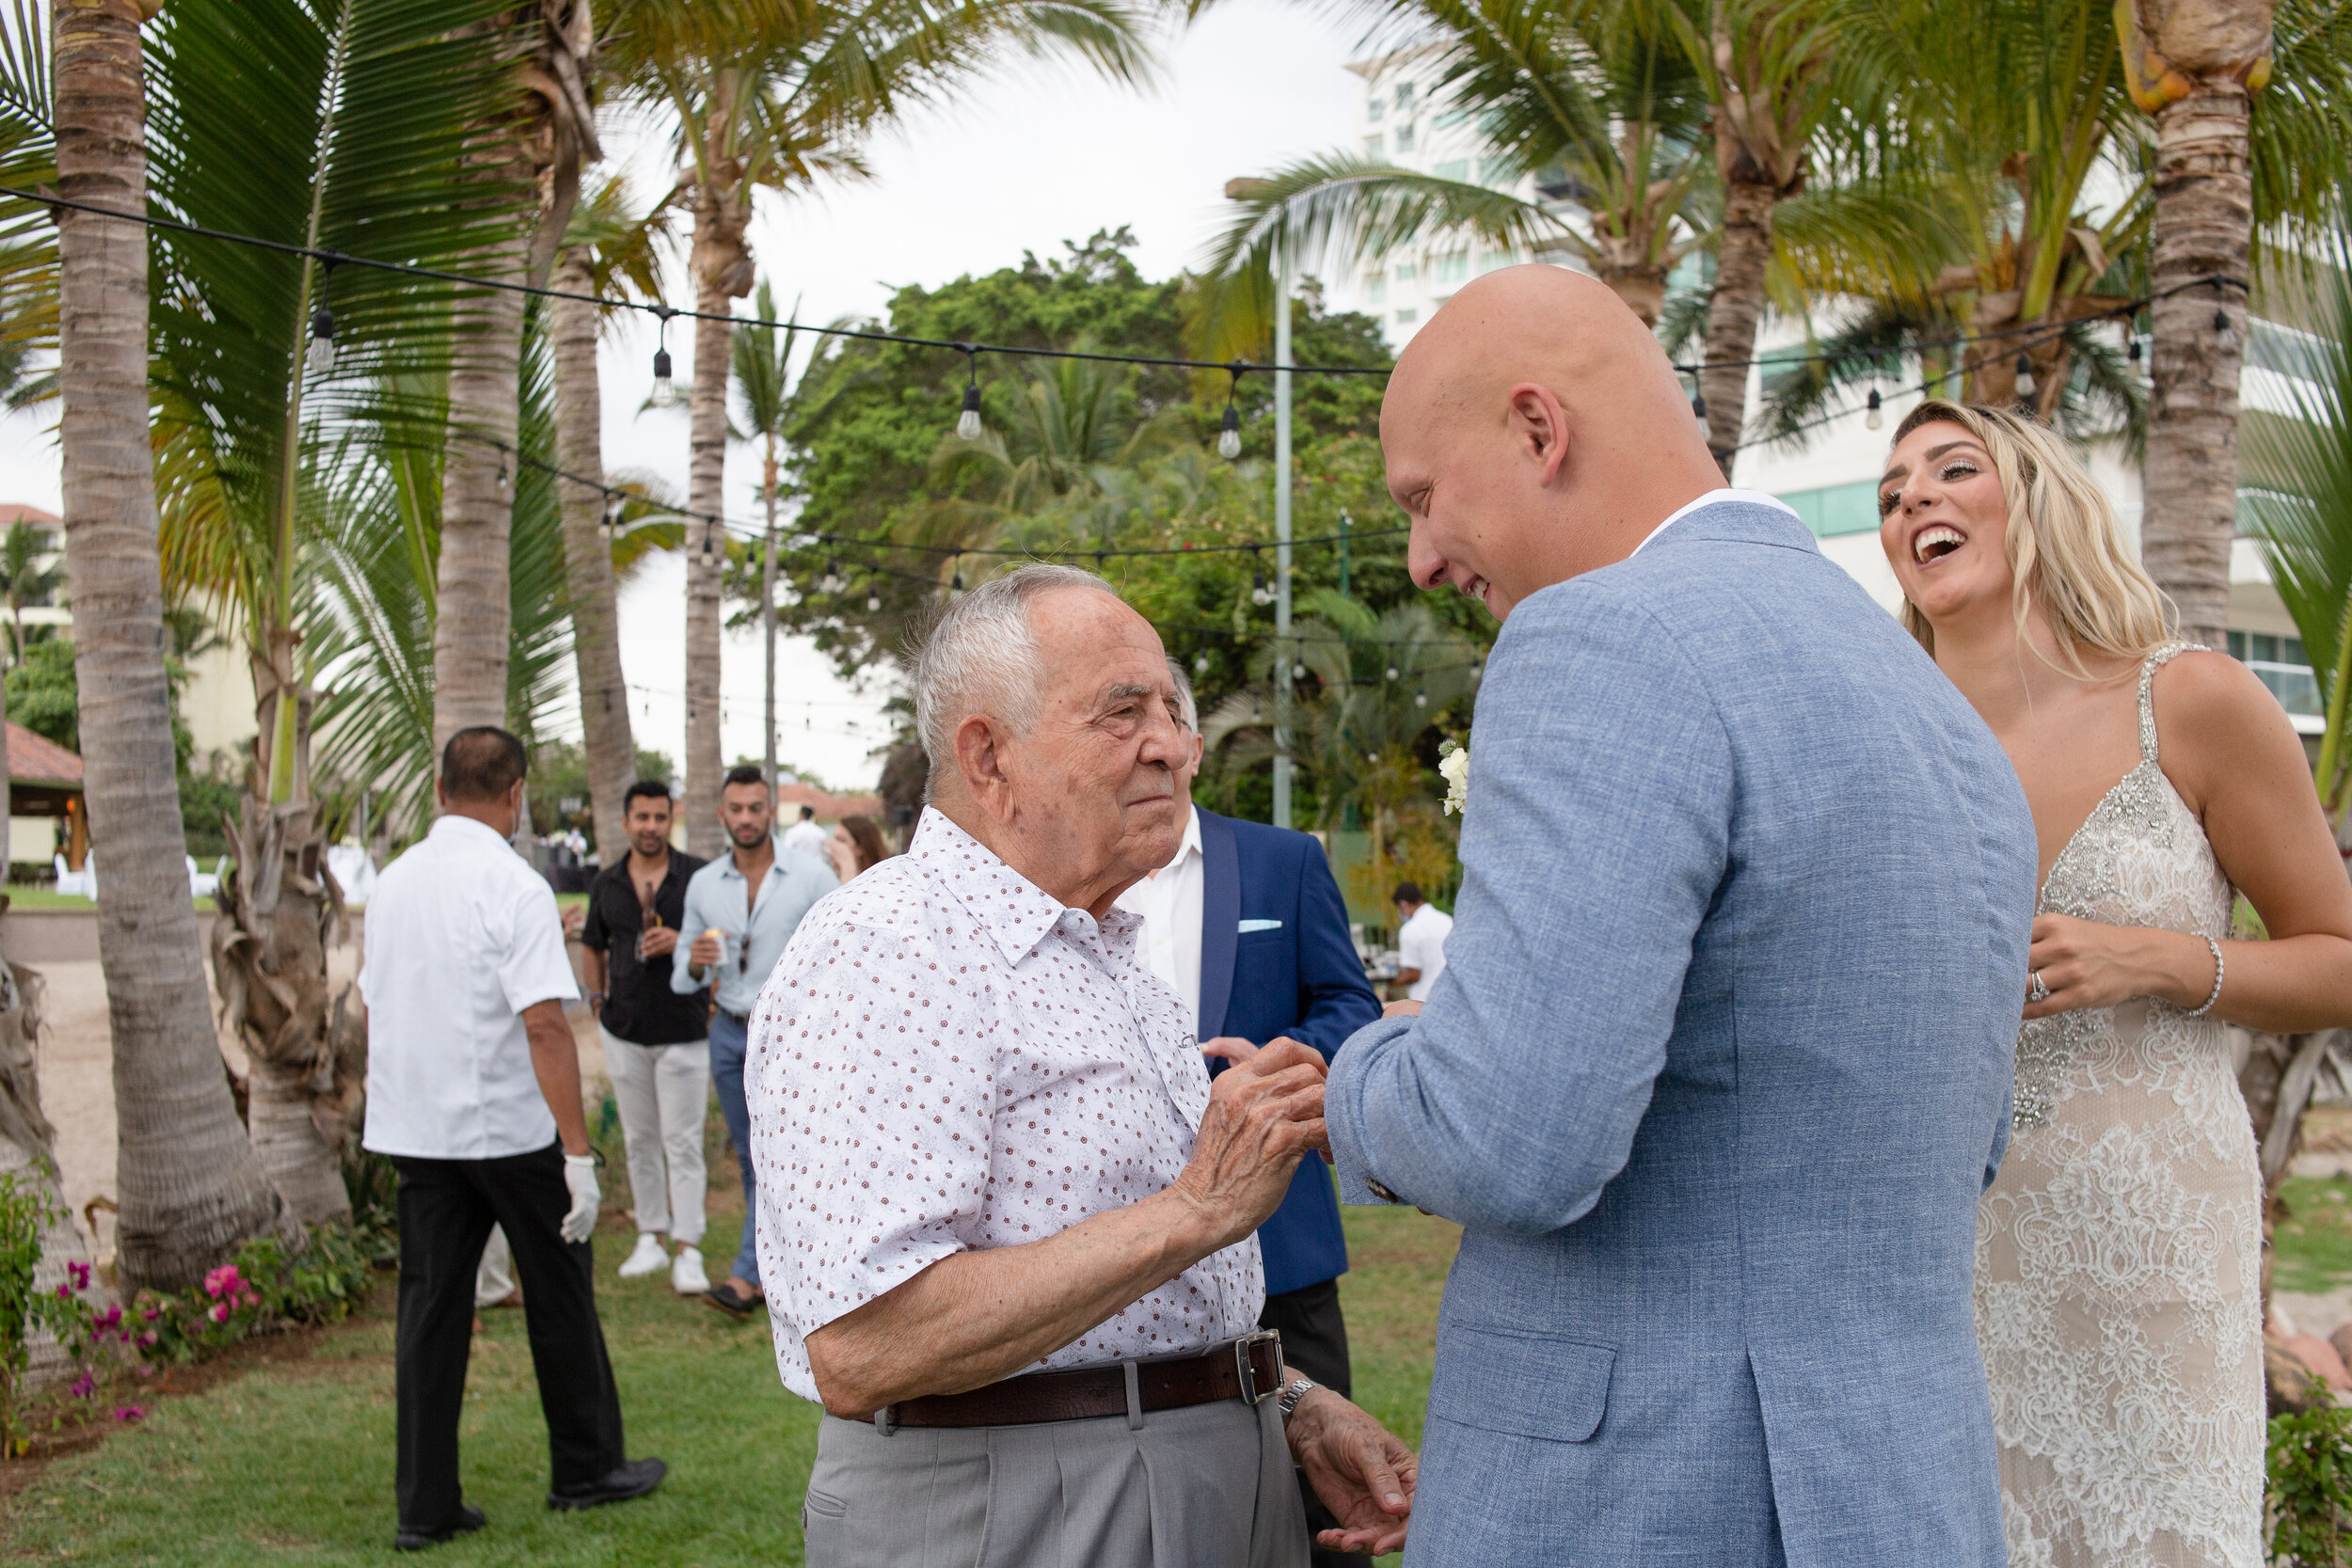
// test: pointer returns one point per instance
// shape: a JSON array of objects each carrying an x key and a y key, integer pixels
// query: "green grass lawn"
[
  {"x": 25, "y": 896},
  {"x": 2313, "y": 1240},
  {"x": 291, "y": 1463}
]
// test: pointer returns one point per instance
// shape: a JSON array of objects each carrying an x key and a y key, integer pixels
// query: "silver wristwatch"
[{"x": 1293, "y": 1391}]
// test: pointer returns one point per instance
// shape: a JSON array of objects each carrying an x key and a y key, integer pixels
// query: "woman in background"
[
  {"x": 2119, "y": 1254},
  {"x": 856, "y": 845}
]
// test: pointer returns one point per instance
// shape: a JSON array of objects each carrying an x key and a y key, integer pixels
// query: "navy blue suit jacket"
[{"x": 1292, "y": 971}]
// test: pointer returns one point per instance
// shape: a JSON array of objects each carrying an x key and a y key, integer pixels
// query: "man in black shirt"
[{"x": 656, "y": 1044}]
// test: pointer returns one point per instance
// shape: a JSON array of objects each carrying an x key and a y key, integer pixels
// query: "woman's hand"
[{"x": 2084, "y": 964}]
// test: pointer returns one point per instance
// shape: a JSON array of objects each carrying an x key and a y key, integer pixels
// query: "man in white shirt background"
[
  {"x": 805, "y": 837},
  {"x": 1247, "y": 928},
  {"x": 473, "y": 1091},
  {"x": 1420, "y": 944}
]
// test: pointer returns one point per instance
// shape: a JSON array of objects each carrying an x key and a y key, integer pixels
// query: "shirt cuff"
[{"x": 1358, "y": 1182}]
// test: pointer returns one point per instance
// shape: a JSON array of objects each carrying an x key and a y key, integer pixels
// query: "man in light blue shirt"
[{"x": 741, "y": 909}]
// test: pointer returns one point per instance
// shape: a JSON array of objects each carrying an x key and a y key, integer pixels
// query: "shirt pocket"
[{"x": 1528, "y": 1384}]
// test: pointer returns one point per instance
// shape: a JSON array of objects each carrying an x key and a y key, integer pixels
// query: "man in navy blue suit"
[{"x": 1247, "y": 927}]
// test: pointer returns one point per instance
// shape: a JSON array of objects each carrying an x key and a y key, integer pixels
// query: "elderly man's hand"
[
  {"x": 1264, "y": 1113},
  {"x": 1363, "y": 1475}
]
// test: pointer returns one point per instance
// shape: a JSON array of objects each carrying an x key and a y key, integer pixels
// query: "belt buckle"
[{"x": 1250, "y": 1393}]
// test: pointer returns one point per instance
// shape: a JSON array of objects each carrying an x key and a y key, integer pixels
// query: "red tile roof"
[
  {"x": 17, "y": 512},
  {"x": 830, "y": 807},
  {"x": 35, "y": 759}
]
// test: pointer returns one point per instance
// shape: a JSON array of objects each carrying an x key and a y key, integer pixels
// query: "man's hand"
[
  {"x": 575, "y": 919},
  {"x": 1262, "y": 1115},
  {"x": 704, "y": 954},
  {"x": 580, "y": 1176},
  {"x": 1232, "y": 1047},
  {"x": 1363, "y": 1475},
  {"x": 663, "y": 940},
  {"x": 1400, "y": 1009}
]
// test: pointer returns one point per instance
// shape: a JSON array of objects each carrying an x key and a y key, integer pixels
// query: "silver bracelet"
[
  {"x": 2200, "y": 1012},
  {"x": 1293, "y": 1391}
]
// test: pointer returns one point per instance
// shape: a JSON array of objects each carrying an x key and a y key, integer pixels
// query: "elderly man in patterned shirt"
[{"x": 1004, "y": 1218}]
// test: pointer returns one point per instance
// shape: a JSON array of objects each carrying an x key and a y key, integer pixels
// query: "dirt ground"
[{"x": 77, "y": 1075}]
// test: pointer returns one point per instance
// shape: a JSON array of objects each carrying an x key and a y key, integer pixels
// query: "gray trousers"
[{"x": 1207, "y": 1485}]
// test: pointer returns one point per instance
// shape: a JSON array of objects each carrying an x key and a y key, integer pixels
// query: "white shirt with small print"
[{"x": 946, "y": 1059}]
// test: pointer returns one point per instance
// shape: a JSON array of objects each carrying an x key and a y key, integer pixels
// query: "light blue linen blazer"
[{"x": 1716, "y": 1072}]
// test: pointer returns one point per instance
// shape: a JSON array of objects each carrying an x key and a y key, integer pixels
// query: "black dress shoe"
[
  {"x": 469, "y": 1519},
  {"x": 735, "y": 1304},
  {"x": 631, "y": 1478}
]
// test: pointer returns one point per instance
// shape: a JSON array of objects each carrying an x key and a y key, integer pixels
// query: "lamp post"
[{"x": 1282, "y": 544}]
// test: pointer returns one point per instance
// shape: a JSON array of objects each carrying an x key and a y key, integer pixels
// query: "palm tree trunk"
[
  {"x": 722, "y": 270},
  {"x": 1744, "y": 246},
  {"x": 472, "y": 617},
  {"x": 2204, "y": 224},
  {"x": 187, "y": 1181},
  {"x": 588, "y": 559}
]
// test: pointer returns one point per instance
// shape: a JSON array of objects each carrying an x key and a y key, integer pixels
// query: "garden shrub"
[{"x": 2311, "y": 1484}]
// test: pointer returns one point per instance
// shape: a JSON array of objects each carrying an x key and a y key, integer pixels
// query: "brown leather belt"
[{"x": 1249, "y": 1368}]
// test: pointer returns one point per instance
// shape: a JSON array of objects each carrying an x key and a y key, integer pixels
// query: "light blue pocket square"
[{"x": 1249, "y": 925}]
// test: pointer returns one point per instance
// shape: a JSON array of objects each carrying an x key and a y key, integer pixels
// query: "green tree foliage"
[{"x": 43, "y": 696}]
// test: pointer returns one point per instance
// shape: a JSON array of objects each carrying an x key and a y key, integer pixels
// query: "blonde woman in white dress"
[{"x": 2119, "y": 1253}]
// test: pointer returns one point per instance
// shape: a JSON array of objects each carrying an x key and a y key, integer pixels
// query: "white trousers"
[{"x": 663, "y": 1092}]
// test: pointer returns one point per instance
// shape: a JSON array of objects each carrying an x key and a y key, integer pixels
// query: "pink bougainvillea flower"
[
  {"x": 81, "y": 1275},
  {"x": 224, "y": 1281},
  {"x": 146, "y": 1339},
  {"x": 219, "y": 1313},
  {"x": 65, "y": 1293},
  {"x": 150, "y": 1313},
  {"x": 110, "y": 1318},
  {"x": 129, "y": 1411},
  {"x": 84, "y": 1387}
]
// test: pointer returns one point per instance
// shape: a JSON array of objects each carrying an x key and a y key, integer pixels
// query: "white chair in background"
[
  {"x": 201, "y": 884},
  {"x": 81, "y": 883}
]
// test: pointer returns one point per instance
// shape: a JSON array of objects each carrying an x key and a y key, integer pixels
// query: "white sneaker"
[
  {"x": 686, "y": 1273},
  {"x": 650, "y": 1258}
]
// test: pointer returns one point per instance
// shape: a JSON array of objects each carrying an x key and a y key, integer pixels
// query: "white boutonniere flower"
[{"x": 1453, "y": 766}]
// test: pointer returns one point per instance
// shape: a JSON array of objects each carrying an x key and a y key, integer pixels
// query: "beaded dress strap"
[{"x": 2157, "y": 660}]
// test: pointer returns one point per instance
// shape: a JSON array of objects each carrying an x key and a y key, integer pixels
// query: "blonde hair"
[{"x": 2064, "y": 545}]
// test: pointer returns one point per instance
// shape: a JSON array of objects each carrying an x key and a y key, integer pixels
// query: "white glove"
[{"x": 580, "y": 1175}]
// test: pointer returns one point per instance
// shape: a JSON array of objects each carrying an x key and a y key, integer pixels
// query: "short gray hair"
[
  {"x": 1185, "y": 702},
  {"x": 981, "y": 657}
]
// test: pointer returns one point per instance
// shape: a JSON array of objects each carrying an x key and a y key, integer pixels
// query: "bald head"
[{"x": 1535, "y": 431}]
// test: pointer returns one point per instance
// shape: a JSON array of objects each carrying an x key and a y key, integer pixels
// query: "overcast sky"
[{"x": 1035, "y": 156}]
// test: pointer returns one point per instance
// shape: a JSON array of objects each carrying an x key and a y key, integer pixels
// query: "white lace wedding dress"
[{"x": 2117, "y": 1256}]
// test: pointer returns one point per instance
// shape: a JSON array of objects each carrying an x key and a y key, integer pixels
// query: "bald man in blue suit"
[{"x": 1275, "y": 959}]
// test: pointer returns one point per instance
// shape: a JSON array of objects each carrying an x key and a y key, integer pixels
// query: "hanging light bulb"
[
  {"x": 873, "y": 596},
  {"x": 1229, "y": 437},
  {"x": 2025, "y": 375},
  {"x": 320, "y": 356},
  {"x": 1698, "y": 406},
  {"x": 2222, "y": 327},
  {"x": 1258, "y": 593},
  {"x": 2131, "y": 346},
  {"x": 968, "y": 423},
  {"x": 1391, "y": 671},
  {"x": 1298, "y": 672},
  {"x": 1421, "y": 698},
  {"x": 708, "y": 528},
  {"x": 956, "y": 586},
  {"x": 664, "y": 384},
  {"x": 612, "y": 516},
  {"x": 1874, "y": 419},
  {"x": 1201, "y": 664},
  {"x": 830, "y": 581},
  {"x": 503, "y": 481}
]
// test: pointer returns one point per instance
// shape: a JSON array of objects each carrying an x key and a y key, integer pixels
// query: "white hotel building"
[{"x": 1832, "y": 481}]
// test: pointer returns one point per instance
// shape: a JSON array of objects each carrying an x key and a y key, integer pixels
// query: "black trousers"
[
  {"x": 1314, "y": 1342},
  {"x": 447, "y": 1207}
]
